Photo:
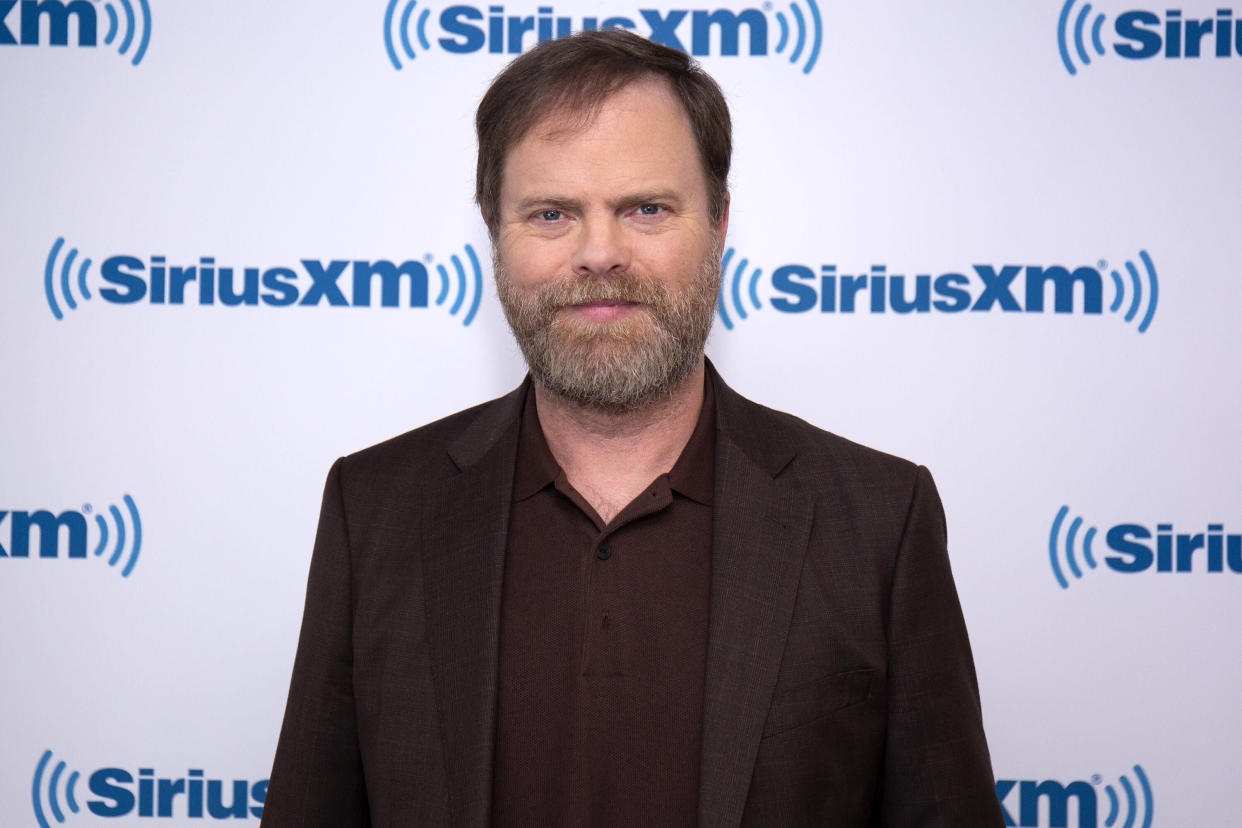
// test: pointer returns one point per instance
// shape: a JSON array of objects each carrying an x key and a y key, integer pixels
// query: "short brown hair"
[{"x": 576, "y": 74}]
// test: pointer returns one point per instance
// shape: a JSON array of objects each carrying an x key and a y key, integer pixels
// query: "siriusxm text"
[
  {"x": 800, "y": 289},
  {"x": 470, "y": 29},
  {"x": 1028, "y": 795},
  {"x": 57, "y": 16},
  {"x": 119, "y": 794},
  {"x": 315, "y": 282},
  {"x": 1145, "y": 34},
  {"x": 1212, "y": 550},
  {"x": 49, "y": 526}
]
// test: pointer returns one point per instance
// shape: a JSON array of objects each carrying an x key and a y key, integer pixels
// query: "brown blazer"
[{"x": 840, "y": 689}]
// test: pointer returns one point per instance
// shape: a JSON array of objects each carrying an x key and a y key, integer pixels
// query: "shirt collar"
[{"x": 693, "y": 475}]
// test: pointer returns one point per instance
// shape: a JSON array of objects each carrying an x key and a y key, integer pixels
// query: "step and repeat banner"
[{"x": 239, "y": 241}]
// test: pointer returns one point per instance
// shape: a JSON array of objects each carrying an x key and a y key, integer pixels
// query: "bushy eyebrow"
[{"x": 625, "y": 202}]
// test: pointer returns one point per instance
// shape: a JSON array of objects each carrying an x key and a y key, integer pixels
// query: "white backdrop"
[{"x": 925, "y": 138}]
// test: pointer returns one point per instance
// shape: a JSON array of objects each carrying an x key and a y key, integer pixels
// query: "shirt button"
[{"x": 604, "y": 552}]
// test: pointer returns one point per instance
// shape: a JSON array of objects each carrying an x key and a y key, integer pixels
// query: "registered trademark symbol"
[
  {"x": 1103, "y": 265},
  {"x": 428, "y": 258},
  {"x": 86, "y": 507},
  {"x": 1095, "y": 777},
  {"x": 767, "y": 7}
]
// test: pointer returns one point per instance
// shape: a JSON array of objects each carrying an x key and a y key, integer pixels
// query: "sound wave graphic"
[
  {"x": 130, "y": 540},
  {"x": 400, "y": 32},
  {"x": 802, "y": 30},
  {"x": 136, "y": 25},
  {"x": 1059, "y": 548},
  {"x": 1136, "y": 291},
  {"x": 66, "y": 280},
  {"x": 1079, "y": 35},
  {"x": 1136, "y": 814},
  {"x": 49, "y": 793},
  {"x": 467, "y": 286},
  {"x": 731, "y": 284}
]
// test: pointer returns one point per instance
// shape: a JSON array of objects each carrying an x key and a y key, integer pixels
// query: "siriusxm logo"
[
  {"x": 1133, "y": 551},
  {"x": 798, "y": 288},
  {"x": 117, "y": 792},
  {"x": 1046, "y": 803},
  {"x": 116, "y": 540},
  {"x": 131, "y": 279},
  {"x": 47, "y": 21},
  {"x": 1142, "y": 35},
  {"x": 464, "y": 29}
]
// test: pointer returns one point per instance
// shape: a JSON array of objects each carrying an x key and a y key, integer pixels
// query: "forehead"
[{"x": 639, "y": 135}]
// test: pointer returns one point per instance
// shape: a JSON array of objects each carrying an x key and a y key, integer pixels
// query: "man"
[{"x": 622, "y": 594}]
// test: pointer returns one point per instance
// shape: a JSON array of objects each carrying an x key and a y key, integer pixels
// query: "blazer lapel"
[
  {"x": 463, "y": 548},
  {"x": 760, "y": 533}
]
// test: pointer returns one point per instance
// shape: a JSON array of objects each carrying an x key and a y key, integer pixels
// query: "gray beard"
[{"x": 614, "y": 366}]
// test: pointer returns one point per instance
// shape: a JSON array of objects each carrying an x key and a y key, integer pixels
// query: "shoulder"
[
  {"x": 790, "y": 447},
  {"x": 440, "y": 448}
]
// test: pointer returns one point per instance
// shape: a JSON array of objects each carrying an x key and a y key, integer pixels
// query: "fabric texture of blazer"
[{"x": 840, "y": 689}]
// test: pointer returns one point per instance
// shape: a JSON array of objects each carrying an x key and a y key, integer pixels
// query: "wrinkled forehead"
[{"x": 573, "y": 111}]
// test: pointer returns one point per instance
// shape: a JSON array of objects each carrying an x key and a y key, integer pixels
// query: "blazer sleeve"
[
  {"x": 317, "y": 777},
  {"x": 936, "y": 771}
]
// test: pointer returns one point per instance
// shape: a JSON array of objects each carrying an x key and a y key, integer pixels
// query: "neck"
[{"x": 609, "y": 457}]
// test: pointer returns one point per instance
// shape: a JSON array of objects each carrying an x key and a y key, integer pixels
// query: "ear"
[{"x": 722, "y": 227}]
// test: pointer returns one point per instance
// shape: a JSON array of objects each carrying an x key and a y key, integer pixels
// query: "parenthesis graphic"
[
  {"x": 801, "y": 27},
  {"x": 1053, "y": 538},
  {"x": 146, "y": 32},
  {"x": 112, "y": 22},
  {"x": 401, "y": 31},
  {"x": 125, "y": 540},
  {"x": 1131, "y": 804},
  {"x": 422, "y": 29},
  {"x": 731, "y": 282},
  {"x": 1111, "y": 819},
  {"x": 388, "y": 44},
  {"x": 137, "y": 547},
  {"x": 53, "y": 801},
  {"x": 1079, "y": 36},
  {"x": 66, "y": 278},
  {"x": 1062, "y": 37},
  {"x": 103, "y": 534},
  {"x": 737, "y": 289},
  {"x": 405, "y": 30},
  {"x": 47, "y": 277},
  {"x": 817, "y": 35},
  {"x": 461, "y": 285},
  {"x": 784, "y": 38},
  {"x": 120, "y": 535},
  {"x": 478, "y": 286},
  {"x": 1153, "y": 291},
  {"x": 465, "y": 281},
  {"x": 1079, "y": 25},
  {"x": 720, "y": 298},
  {"x": 444, "y": 284},
  {"x": 1071, "y": 537},
  {"x": 130, "y": 26},
  {"x": 1096, "y": 40},
  {"x": 1148, "y": 801},
  {"x": 1136, "y": 297},
  {"x": 36, "y": 800}
]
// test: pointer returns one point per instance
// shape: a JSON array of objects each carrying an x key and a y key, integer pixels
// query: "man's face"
[{"x": 607, "y": 263}]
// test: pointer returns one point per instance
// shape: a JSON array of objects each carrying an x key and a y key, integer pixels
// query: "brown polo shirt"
[{"x": 603, "y": 644}]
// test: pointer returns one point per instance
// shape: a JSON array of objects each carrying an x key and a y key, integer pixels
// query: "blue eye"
[
  {"x": 550, "y": 215},
  {"x": 649, "y": 210}
]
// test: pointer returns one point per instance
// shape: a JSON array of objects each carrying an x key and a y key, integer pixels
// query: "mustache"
[{"x": 616, "y": 287}]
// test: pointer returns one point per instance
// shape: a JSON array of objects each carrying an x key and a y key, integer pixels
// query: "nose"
[{"x": 601, "y": 248}]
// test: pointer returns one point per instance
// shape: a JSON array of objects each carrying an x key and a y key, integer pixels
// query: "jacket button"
[{"x": 604, "y": 552}]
